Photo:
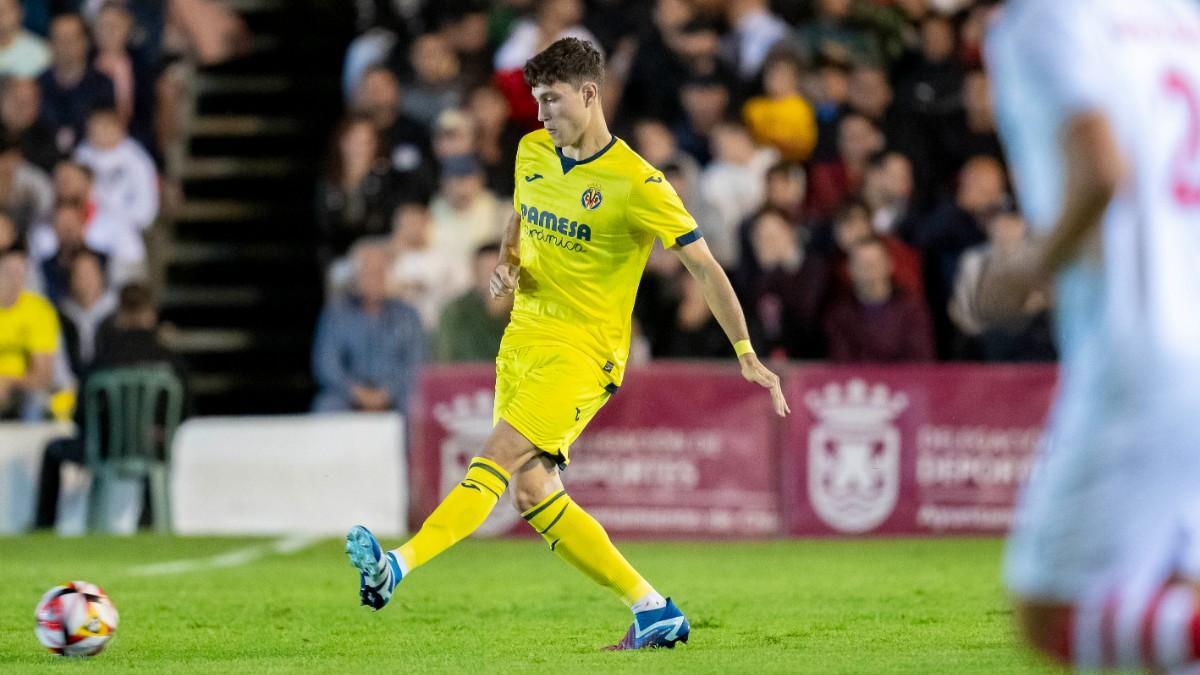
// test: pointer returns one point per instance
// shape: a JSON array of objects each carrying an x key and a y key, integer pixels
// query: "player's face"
[{"x": 564, "y": 110}]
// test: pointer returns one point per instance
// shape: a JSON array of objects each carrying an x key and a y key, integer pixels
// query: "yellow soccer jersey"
[
  {"x": 29, "y": 327},
  {"x": 586, "y": 231}
]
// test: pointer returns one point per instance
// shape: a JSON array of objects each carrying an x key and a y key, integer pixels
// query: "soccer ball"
[{"x": 75, "y": 619}]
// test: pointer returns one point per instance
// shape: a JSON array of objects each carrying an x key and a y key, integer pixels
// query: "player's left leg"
[{"x": 579, "y": 539}]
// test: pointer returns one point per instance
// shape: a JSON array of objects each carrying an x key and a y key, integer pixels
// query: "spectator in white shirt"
[
  {"x": 22, "y": 54},
  {"x": 466, "y": 215},
  {"x": 125, "y": 184},
  {"x": 734, "y": 183}
]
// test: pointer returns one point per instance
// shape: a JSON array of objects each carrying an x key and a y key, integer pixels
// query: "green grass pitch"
[{"x": 903, "y": 606}]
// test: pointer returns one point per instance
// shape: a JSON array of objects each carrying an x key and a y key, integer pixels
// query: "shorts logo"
[
  {"x": 854, "y": 454},
  {"x": 591, "y": 198}
]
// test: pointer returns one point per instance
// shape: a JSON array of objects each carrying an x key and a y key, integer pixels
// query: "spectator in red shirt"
[
  {"x": 851, "y": 225},
  {"x": 880, "y": 321},
  {"x": 831, "y": 182}
]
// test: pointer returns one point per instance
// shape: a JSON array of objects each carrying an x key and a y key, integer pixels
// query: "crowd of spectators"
[
  {"x": 79, "y": 188},
  {"x": 840, "y": 157}
]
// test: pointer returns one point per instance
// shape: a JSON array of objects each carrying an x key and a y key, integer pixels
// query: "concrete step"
[
  {"x": 206, "y": 168},
  {"x": 244, "y": 125}
]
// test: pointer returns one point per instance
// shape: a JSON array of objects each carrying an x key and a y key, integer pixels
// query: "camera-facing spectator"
[
  {"x": 71, "y": 88},
  {"x": 436, "y": 85},
  {"x": 888, "y": 192},
  {"x": 86, "y": 312},
  {"x": 1029, "y": 341},
  {"x": 368, "y": 348},
  {"x": 22, "y": 53},
  {"x": 69, "y": 241},
  {"x": 20, "y": 108},
  {"x": 694, "y": 332},
  {"x": 466, "y": 215},
  {"x": 953, "y": 227},
  {"x": 472, "y": 325},
  {"x": 754, "y": 30},
  {"x": 496, "y": 136},
  {"x": 25, "y": 190},
  {"x": 453, "y": 134},
  {"x": 124, "y": 180},
  {"x": 832, "y": 182},
  {"x": 851, "y": 225},
  {"x": 29, "y": 341},
  {"x": 781, "y": 117},
  {"x": 705, "y": 103},
  {"x": 735, "y": 184},
  {"x": 834, "y": 35},
  {"x": 420, "y": 274},
  {"x": 133, "y": 78},
  {"x": 783, "y": 293},
  {"x": 465, "y": 27},
  {"x": 357, "y": 191},
  {"x": 403, "y": 141},
  {"x": 880, "y": 321}
]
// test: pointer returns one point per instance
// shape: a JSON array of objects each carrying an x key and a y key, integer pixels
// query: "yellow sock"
[
  {"x": 581, "y": 541},
  {"x": 463, "y": 510}
]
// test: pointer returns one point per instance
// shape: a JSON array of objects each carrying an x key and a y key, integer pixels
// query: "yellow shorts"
[{"x": 549, "y": 393}]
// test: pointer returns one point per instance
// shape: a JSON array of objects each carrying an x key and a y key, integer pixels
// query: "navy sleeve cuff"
[{"x": 685, "y": 239}]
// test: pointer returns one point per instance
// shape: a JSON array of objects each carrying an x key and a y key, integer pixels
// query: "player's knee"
[
  {"x": 1046, "y": 628},
  {"x": 508, "y": 448},
  {"x": 527, "y": 497}
]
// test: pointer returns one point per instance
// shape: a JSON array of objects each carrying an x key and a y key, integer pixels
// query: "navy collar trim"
[{"x": 568, "y": 163}]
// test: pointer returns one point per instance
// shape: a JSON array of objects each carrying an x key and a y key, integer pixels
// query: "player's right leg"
[{"x": 462, "y": 511}]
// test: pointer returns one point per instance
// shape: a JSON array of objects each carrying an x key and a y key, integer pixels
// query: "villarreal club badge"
[{"x": 591, "y": 198}]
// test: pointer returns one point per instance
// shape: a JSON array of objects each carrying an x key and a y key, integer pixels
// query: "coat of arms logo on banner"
[
  {"x": 467, "y": 420},
  {"x": 854, "y": 454}
]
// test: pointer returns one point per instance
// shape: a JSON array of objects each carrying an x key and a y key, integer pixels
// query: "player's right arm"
[
  {"x": 1046, "y": 45},
  {"x": 504, "y": 278}
]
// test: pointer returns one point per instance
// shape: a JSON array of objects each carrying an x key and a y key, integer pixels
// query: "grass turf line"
[{"x": 902, "y": 606}]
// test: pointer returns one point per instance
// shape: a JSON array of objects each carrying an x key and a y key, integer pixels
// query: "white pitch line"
[{"x": 234, "y": 558}]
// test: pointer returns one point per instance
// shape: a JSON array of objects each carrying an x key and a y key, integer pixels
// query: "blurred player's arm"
[
  {"x": 504, "y": 278},
  {"x": 1093, "y": 169},
  {"x": 718, "y": 293}
]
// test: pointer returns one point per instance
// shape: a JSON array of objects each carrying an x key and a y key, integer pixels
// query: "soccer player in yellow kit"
[{"x": 587, "y": 210}]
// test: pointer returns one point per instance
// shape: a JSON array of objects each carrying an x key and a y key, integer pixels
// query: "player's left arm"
[{"x": 718, "y": 292}]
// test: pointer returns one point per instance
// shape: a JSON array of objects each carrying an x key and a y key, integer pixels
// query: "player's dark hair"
[{"x": 569, "y": 60}]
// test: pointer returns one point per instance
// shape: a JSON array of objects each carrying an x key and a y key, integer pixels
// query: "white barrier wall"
[
  {"x": 316, "y": 474},
  {"x": 21, "y": 447}
]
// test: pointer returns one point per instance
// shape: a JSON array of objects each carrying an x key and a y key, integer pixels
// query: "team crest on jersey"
[{"x": 591, "y": 198}]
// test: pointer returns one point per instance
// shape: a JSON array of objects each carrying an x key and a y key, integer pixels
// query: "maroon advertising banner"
[
  {"x": 909, "y": 450},
  {"x": 682, "y": 450}
]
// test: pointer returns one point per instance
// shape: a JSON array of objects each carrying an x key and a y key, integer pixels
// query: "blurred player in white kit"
[{"x": 1098, "y": 103}]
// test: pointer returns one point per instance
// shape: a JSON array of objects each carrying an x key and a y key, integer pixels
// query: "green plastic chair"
[{"x": 138, "y": 409}]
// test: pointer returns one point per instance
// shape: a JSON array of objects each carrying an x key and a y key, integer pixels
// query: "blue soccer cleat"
[
  {"x": 663, "y": 627},
  {"x": 378, "y": 572}
]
